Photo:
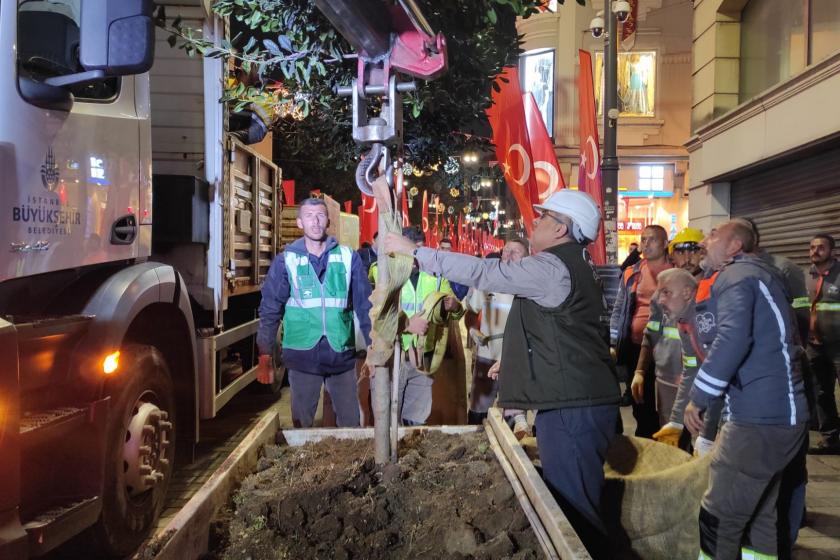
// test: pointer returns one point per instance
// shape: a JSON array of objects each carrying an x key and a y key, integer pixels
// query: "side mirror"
[{"x": 117, "y": 39}]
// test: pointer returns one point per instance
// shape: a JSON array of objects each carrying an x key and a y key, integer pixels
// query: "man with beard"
[
  {"x": 661, "y": 345},
  {"x": 686, "y": 252},
  {"x": 748, "y": 325},
  {"x": 824, "y": 339},
  {"x": 315, "y": 286}
]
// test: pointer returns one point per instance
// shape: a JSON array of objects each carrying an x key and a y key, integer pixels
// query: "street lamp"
[{"x": 614, "y": 12}]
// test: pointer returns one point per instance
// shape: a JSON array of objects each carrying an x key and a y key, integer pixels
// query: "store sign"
[{"x": 631, "y": 226}]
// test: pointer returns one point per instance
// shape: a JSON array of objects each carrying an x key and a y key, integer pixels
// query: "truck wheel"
[{"x": 140, "y": 450}]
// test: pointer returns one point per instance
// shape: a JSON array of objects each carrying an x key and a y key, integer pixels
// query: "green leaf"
[
  {"x": 285, "y": 43},
  {"x": 491, "y": 15},
  {"x": 272, "y": 47},
  {"x": 172, "y": 40}
]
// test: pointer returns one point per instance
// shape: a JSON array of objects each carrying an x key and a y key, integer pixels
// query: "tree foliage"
[{"x": 291, "y": 44}]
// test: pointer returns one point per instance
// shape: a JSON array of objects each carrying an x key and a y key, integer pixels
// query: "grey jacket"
[{"x": 748, "y": 325}]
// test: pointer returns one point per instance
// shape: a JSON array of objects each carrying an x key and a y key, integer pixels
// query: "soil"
[{"x": 447, "y": 497}]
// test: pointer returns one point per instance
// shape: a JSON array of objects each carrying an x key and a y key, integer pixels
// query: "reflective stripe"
[
  {"x": 801, "y": 303},
  {"x": 706, "y": 388},
  {"x": 749, "y": 554},
  {"x": 689, "y": 361},
  {"x": 712, "y": 380},
  {"x": 782, "y": 333},
  {"x": 828, "y": 307},
  {"x": 653, "y": 326},
  {"x": 671, "y": 332},
  {"x": 704, "y": 556},
  {"x": 339, "y": 303}
]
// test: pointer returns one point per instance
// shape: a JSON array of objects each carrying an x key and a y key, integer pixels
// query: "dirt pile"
[{"x": 446, "y": 498}]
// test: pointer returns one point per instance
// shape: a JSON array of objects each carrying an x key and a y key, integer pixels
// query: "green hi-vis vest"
[
  {"x": 316, "y": 309},
  {"x": 411, "y": 299}
]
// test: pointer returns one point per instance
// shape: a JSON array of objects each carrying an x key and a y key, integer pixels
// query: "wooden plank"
[
  {"x": 190, "y": 529},
  {"x": 563, "y": 536},
  {"x": 300, "y": 436},
  {"x": 242, "y": 176},
  {"x": 519, "y": 491}
]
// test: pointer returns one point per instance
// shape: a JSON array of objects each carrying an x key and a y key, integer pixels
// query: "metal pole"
[{"x": 609, "y": 165}]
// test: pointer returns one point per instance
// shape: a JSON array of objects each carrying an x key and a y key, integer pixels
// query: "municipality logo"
[
  {"x": 705, "y": 322},
  {"x": 49, "y": 171}
]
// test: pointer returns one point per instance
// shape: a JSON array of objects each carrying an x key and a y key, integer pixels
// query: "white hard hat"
[{"x": 579, "y": 206}]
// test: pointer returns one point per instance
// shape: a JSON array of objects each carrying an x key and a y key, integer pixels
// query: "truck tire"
[{"x": 140, "y": 450}]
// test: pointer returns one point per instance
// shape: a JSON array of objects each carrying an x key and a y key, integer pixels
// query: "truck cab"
[{"x": 118, "y": 333}]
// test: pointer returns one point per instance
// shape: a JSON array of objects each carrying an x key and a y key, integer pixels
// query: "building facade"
[{"x": 765, "y": 121}]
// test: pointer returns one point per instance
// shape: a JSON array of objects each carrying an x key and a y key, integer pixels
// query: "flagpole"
[{"x": 609, "y": 165}]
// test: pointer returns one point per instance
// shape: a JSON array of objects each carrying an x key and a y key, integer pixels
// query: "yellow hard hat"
[{"x": 688, "y": 238}]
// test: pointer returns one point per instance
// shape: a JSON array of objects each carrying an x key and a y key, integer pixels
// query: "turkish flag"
[
  {"x": 510, "y": 135},
  {"x": 368, "y": 219},
  {"x": 405, "y": 220},
  {"x": 546, "y": 169},
  {"x": 424, "y": 213},
  {"x": 589, "y": 173}
]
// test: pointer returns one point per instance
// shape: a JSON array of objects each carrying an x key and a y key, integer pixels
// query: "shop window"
[
  {"x": 779, "y": 38},
  {"x": 536, "y": 70},
  {"x": 651, "y": 178},
  {"x": 636, "y": 83},
  {"x": 773, "y": 44},
  {"x": 825, "y": 28}
]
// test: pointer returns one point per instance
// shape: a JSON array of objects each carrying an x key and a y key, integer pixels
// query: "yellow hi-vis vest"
[
  {"x": 411, "y": 299},
  {"x": 317, "y": 309}
]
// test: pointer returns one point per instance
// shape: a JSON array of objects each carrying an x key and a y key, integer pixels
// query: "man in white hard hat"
[{"x": 554, "y": 359}]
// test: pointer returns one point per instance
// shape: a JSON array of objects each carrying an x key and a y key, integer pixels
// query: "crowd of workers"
[{"x": 725, "y": 349}]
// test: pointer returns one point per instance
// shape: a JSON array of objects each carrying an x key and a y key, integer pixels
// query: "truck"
[{"x": 136, "y": 232}]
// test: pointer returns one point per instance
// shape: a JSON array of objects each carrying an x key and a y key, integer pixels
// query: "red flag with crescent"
[
  {"x": 424, "y": 213},
  {"x": 405, "y": 220},
  {"x": 368, "y": 219},
  {"x": 547, "y": 172},
  {"x": 589, "y": 172},
  {"x": 513, "y": 148}
]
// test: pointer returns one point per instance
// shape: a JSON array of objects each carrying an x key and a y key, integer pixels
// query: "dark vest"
[{"x": 557, "y": 357}]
